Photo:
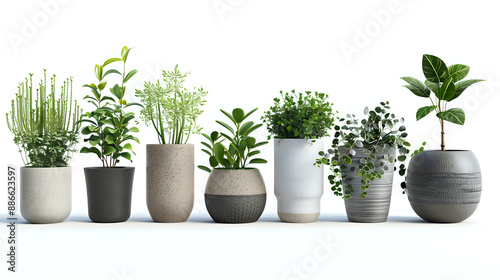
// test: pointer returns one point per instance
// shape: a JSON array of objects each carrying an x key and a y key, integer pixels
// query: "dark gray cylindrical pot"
[
  {"x": 170, "y": 182},
  {"x": 109, "y": 193},
  {"x": 235, "y": 195},
  {"x": 444, "y": 186},
  {"x": 374, "y": 207},
  {"x": 45, "y": 194}
]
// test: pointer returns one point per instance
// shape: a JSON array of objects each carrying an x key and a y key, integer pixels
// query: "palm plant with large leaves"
[{"x": 447, "y": 84}]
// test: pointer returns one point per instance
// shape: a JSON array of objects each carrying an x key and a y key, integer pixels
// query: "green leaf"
[
  {"x": 129, "y": 75},
  {"x": 249, "y": 113},
  {"x": 251, "y": 142},
  {"x": 242, "y": 148},
  {"x": 253, "y": 153},
  {"x": 245, "y": 127},
  {"x": 126, "y": 155},
  {"x": 458, "y": 72},
  {"x": 204, "y": 168},
  {"x": 111, "y": 60},
  {"x": 228, "y": 127},
  {"x": 214, "y": 136},
  {"x": 125, "y": 52},
  {"x": 433, "y": 86},
  {"x": 109, "y": 139},
  {"x": 111, "y": 71},
  {"x": 258, "y": 160},
  {"x": 238, "y": 115},
  {"x": 94, "y": 91},
  {"x": 416, "y": 86},
  {"x": 229, "y": 116},
  {"x": 447, "y": 90},
  {"x": 108, "y": 150},
  {"x": 434, "y": 68},
  {"x": 347, "y": 160},
  {"x": 206, "y": 152},
  {"x": 455, "y": 115},
  {"x": 424, "y": 111},
  {"x": 463, "y": 85},
  {"x": 134, "y": 129},
  {"x": 252, "y": 129},
  {"x": 116, "y": 91},
  {"x": 128, "y": 146},
  {"x": 219, "y": 150},
  {"x": 213, "y": 161}
]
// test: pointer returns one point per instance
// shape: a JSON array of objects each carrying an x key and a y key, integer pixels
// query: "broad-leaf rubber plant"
[
  {"x": 241, "y": 147},
  {"x": 302, "y": 116},
  {"x": 380, "y": 133},
  {"x": 447, "y": 84},
  {"x": 45, "y": 126},
  {"x": 172, "y": 110},
  {"x": 108, "y": 133}
]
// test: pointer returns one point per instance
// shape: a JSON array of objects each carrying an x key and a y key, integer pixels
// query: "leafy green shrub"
[
  {"x": 172, "y": 110},
  {"x": 241, "y": 146},
  {"x": 381, "y": 132},
  {"x": 45, "y": 127},
  {"x": 303, "y": 116},
  {"x": 108, "y": 131},
  {"x": 447, "y": 85}
]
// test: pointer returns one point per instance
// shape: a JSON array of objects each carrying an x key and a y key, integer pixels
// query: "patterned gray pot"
[
  {"x": 444, "y": 186},
  {"x": 45, "y": 194},
  {"x": 235, "y": 195},
  {"x": 374, "y": 207},
  {"x": 170, "y": 182}
]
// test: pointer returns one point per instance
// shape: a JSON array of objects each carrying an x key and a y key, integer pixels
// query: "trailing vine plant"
[{"x": 379, "y": 137}]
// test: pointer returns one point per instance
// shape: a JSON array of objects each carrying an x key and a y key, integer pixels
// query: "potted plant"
[
  {"x": 443, "y": 185},
  {"x": 234, "y": 192},
  {"x": 362, "y": 158},
  {"x": 173, "y": 111},
  {"x": 45, "y": 128},
  {"x": 298, "y": 122},
  {"x": 109, "y": 187}
]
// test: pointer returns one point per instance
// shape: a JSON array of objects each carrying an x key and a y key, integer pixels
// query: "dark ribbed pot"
[
  {"x": 444, "y": 186},
  {"x": 109, "y": 193},
  {"x": 374, "y": 207},
  {"x": 235, "y": 196}
]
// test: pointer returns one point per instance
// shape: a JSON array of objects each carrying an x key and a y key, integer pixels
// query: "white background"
[{"x": 243, "y": 53}]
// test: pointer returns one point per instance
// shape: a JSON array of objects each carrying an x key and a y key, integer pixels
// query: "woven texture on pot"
[{"x": 374, "y": 207}]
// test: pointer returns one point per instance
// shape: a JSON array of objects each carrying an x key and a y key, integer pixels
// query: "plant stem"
[{"x": 442, "y": 135}]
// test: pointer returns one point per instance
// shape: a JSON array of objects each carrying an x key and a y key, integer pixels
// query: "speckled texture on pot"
[
  {"x": 444, "y": 186},
  {"x": 235, "y": 196},
  {"x": 170, "y": 182},
  {"x": 45, "y": 194},
  {"x": 374, "y": 207},
  {"x": 235, "y": 182}
]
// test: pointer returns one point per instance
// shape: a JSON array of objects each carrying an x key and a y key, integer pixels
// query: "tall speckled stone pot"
[
  {"x": 170, "y": 182},
  {"x": 235, "y": 195},
  {"x": 444, "y": 186},
  {"x": 109, "y": 193},
  {"x": 45, "y": 194},
  {"x": 374, "y": 207}
]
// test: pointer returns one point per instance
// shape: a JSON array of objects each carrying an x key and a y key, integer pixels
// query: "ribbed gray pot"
[
  {"x": 45, "y": 194},
  {"x": 235, "y": 195},
  {"x": 374, "y": 207},
  {"x": 109, "y": 193},
  {"x": 444, "y": 186},
  {"x": 170, "y": 182}
]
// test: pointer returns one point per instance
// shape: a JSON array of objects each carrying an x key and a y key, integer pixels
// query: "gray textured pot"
[
  {"x": 45, "y": 194},
  {"x": 374, "y": 207},
  {"x": 235, "y": 196},
  {"x": 170, "y": 182},
  {"x": 444, "y": 186},
  {"x": 109, "y": 193}
]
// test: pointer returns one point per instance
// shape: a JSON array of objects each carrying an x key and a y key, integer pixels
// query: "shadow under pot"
[
  {"x": 109, "y": 193},
  {"x": 235, "y": 195},
  {"x": 170, "y": 182},
  {"x": 374, "y": 207},
  {"x": 444, "y": 186},
  {"x": 45, "y": 194}
]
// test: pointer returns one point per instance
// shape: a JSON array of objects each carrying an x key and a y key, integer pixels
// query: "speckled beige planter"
[
  {"x": 235, "y": 196},
  {"x": 45, "y": 194},
  {"x": 170, "y": 182}
]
